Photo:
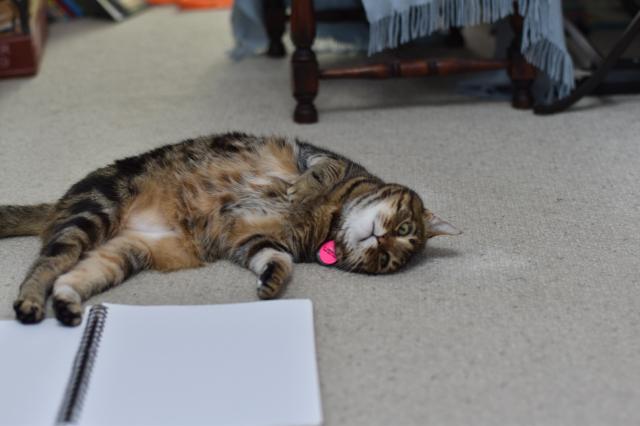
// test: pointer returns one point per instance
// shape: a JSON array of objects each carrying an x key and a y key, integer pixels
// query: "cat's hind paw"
[
  {"x": 67, "y": 305},
  {"x": 68, "y": 313},
  {"x": 29, "y": 311}
]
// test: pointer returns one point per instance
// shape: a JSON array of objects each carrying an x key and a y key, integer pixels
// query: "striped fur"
[
  {"x": 24, "y": 220},
  {"x": 261, "y": 202}
]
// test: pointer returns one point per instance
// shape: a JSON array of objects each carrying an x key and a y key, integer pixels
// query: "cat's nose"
[{"x": 383, "y": 239}]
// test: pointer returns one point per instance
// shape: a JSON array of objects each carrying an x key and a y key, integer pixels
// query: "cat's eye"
[
  {"x": 384, "y": 259},
  {"x": 403, "y": 229}
]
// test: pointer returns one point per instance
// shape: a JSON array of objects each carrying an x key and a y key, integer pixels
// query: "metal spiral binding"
[{"x": 82, "y": 366}]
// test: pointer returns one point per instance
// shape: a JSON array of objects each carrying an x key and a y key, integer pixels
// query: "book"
[
  {"x": 23, "y": 30},
  {"x": 118, "y": 10},
  {"x": 239, "y": 364}
]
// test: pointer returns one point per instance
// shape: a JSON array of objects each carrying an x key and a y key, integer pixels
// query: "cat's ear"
[{"x": 435, "y": 226}]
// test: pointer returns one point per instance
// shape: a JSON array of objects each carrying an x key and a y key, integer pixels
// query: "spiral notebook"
[{"x": 239, "y": 364}]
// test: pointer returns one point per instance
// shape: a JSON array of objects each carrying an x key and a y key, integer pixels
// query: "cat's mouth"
[{"x": 372, "y": 233}]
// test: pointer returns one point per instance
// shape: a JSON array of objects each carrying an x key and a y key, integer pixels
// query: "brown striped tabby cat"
[{"x": 261, "y": 202}]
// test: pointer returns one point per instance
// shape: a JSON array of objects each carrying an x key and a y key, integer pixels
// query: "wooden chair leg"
[
  {"x": 304, "y": 65},
  {"x": 521, "y": 72},
  {"x": 274, "y": 19}
]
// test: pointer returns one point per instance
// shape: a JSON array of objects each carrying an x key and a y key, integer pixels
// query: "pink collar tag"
[{"x": 327, "y": 253}]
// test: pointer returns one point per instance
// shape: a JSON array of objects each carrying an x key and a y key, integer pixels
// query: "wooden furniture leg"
[
  {"x": 304, "y": 65},
  {"x": 521, "y": 72},
  {"x": 274, "y": 18}
]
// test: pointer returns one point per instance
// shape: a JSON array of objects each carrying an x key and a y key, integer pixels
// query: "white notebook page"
[
  {"x": 242, "y": 364},
  {"x": 35, "y": 363}
]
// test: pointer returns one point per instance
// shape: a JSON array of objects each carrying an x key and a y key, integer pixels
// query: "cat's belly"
[
  {"x": 150, "y": 225},
  {"x": 169, "y": 248},
  {"x": 257, "y": 196}
]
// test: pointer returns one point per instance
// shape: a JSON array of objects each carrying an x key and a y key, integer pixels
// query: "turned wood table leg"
[
  {"x": 521, "y": 72},
  {"x": 304, "y": 65},
  {"x": 275, "y": 18}
]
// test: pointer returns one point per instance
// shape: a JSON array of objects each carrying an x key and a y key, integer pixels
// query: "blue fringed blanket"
[{"x": 393, "y": 22}]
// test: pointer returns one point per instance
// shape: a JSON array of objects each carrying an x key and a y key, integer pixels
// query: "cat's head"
[{"x": 380, "y": 231}]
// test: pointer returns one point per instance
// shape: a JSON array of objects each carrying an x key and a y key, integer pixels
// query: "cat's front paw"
[
  {"x": 301, "y": 192},
  {"x": 29, "y": 310},
  {"x": 271, "y": 281},
  {"x": 293, "y": 194}
]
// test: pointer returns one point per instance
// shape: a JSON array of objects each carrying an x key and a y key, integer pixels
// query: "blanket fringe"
[{"x": 422, "y": 20}]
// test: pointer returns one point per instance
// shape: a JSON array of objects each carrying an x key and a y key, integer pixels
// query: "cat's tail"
[{"x": 24, "y": 220}]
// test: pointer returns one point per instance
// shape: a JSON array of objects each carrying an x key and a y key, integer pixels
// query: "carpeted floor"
[{"x": 531, "y": 317}]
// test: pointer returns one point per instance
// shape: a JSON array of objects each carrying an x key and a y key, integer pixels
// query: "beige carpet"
[{"x": 531, "y": 317}]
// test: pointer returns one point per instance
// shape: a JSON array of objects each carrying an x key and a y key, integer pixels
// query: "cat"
[{"x": 261, "y": 202}]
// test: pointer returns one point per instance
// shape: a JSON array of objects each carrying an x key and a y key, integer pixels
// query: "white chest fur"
[{"x": 151, "y": 225}]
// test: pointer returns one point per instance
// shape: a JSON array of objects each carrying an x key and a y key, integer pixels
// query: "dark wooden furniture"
[
  {"x": 275, "y": 18},
  {"x": 21, "y": 52},
  {"x": 598, "y": 79},
  {"x": 306, "y": 72}
]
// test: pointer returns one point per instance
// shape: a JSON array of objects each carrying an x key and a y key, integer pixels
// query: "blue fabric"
[{"x": 394, "y": 22}]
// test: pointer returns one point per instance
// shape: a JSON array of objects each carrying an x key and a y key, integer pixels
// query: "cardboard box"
[{"x": 23, "y": 29}]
